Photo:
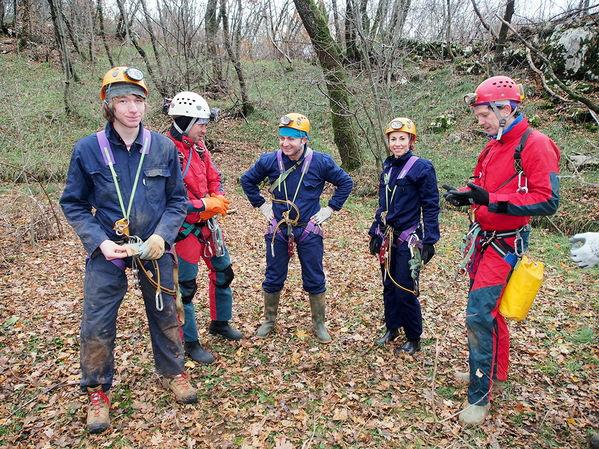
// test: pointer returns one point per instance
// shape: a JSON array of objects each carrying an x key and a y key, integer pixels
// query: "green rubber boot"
[
  {"x": 318, "y": 305},
  {"x": 271, "y": 305}
]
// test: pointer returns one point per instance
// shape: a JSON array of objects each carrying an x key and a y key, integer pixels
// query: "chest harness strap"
[{"x": 275, "y": 225}]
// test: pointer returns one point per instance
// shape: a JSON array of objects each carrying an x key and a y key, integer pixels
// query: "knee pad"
[
  {"x": 227, "y": 277},
  {"x": 188, "y": 290}
]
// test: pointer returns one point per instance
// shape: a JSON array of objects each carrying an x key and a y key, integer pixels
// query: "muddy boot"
[
  {"x": 389, "y": 336},
  {"x": 196, "y": 353},
  {"x": 464, "y": 378},
  {"x": 224, "y": 329},
  {"x": 473, "y": 415},
  {"x": 183, "y": 390},
  {"x": 271, "y": 305},
  {"x": 98, "y": 419},
  {"x": 318, "y": 305}
]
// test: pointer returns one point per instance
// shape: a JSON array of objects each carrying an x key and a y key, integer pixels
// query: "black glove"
[
  {"x": 476, "y": 195},
  {"x": 375, "y": 246},
  {"x": 428, "y": 251}
]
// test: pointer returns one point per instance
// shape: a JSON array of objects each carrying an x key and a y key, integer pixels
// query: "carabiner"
[
  {"x": 159, "y": 302},
  {"x": 522, "y": 188}
]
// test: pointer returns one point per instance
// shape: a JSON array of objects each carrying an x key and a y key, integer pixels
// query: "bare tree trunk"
[
  {"x": 102, "y": 33},
  {"x": 352, "y": 52},
  {"x": 63, "y": 51},
  {"x": 448, "y": 30},
  {"x": 211, "y": 33},
  {"x": 71, "y": 34},
  {"x": 329, "y": 56},
  {"x": 25, "y": 28},
  {"x": 246, "y": 108},
  {"x": 338, "y": 37},
  {"x": 482, "y": 21},
  {"x": 507, "y": 18},
  {"x": 152, "y": 40}
]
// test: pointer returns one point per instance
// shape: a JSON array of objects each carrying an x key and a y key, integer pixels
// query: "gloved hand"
[
  {"x": 476, "y": 195},
  {"x": 152, "y": 248},
  {"x": 322, "y": 215},
  {"x": 428, "y": 251},
  {"x": 266, "y": 210},
  {"x": 214, "y": 204},
  {"x": 587, "y": 254},
  {"x": 374, "y": 245}
]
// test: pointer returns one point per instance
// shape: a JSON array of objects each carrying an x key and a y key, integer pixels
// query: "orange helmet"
[
  {"x": 296, "y": 121},
  {"x": 122, "y": 80},
  {"x": 401, "y": 124}
]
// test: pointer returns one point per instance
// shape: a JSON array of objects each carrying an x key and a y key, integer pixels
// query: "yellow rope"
[
  {"x": 389, "y": 237},
  {"x": 285, "y": 219},
  {"x": 157, "y": 286}
]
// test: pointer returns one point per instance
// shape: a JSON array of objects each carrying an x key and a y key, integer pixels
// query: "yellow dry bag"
[{"x": 521, "y": 289}]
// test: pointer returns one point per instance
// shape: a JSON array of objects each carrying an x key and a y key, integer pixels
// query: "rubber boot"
[
  {"x": 271, "y": 305},
  {"x": 318, "y": 305},
  {"x": 390, "y": 335},
  {"x": 594, "y": 442},
  {"x": 473, "y": 415},
  {"x": 195, "y": 352},
  {"x": 410, "y": 346},
  {"x": 464, "y": 378},
  {"x": 224, "y": 329}
]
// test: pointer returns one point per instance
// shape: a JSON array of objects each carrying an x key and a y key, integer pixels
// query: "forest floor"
[{"x": 288, "y": 391}]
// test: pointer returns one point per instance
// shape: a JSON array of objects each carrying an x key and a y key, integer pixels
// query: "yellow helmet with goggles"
[
  {"x": 295, "y": 121},
  {"x": 123, "y": 80},
  {"x": 402, "y": 124}
]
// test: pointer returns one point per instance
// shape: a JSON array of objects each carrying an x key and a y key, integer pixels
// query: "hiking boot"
[
  {"x": 317, "y": 305},
  {"x": 223, "y": 329},
  {"x": 271, "y": 305},
  {"x": 410, "y": 346},
  {"x": 98, "y": 419},
  {"x": 473, "y": 415},
  {"x": 196, "y": 353},
  {"x": 389, "y": 336},
  {"x": 594, "y": 442},
  {"x": 464, "y": 378},
  {"x": 179, "y": 385}
]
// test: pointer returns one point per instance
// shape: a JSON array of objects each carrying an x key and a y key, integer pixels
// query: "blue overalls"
[
  {"x": 306, "y": 197},
  {"x": 158, "y": 206},
  {"x": 403, "y": 198}
]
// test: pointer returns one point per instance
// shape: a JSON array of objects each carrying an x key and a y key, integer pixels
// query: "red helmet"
[{"x": 496, "y": 88}]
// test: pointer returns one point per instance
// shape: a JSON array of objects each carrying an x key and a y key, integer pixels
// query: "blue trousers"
[
  {"x": 309, "y": 252},
  {"x": 104, "y": 287},
  {"x": 402, "y": 308}
]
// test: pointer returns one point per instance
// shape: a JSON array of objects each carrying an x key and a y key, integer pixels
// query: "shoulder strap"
[
  {"x": 107, "y": 151},
  {"x": 406, "y": 168},
  {"x": 518, "y": 150}
]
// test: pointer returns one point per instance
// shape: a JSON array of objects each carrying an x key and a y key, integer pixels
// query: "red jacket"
[
  {"x": 508, "y": 208},
  {"x": 201, "y": 178}
]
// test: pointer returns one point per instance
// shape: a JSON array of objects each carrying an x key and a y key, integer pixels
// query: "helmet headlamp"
[{"x": 134, "y": 74}]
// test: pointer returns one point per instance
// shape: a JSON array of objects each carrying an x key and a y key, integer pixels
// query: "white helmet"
[{"x": 189, "y": 104}]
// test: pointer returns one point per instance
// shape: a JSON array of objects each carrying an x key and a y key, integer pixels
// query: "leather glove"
[
  {"x": 322, "y": 215},
  {"x": 587, "y": 254},
  {"x": 374, "y": 245},
  {"x": 214, "y": 204},
  {"x": 428, "y": 251},
  {"x": 476, "y": 195},
  {"x": 152, "y": 248},
  {"x": 266, "y": 210}
]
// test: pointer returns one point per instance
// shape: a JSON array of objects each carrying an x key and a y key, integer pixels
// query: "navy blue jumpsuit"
[
  {"x": 322, "y": 168},
  {"x": 159, "y": 207},
  {"x": 406, "y": 201}
]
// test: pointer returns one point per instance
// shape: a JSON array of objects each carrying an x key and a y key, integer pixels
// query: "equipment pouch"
[{"x": 521, "y": 289}]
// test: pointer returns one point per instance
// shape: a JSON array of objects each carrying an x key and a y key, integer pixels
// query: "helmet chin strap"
[{"x": 502, "y": 120}]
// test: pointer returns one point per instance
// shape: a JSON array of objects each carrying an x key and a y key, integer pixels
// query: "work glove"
[
  {"x": 322, "y": 215},
  {"x": 266, "y": 210},
  {"x": 134, "y": 249},
  {"x": 152, "y": 248},
  {"x": 214, "y": 205},
  {"x": 476, "y": 195},
  {"x": 585, "y": 249},
  {"x": 374, "y": 245},
  {"x": 428, "y": 251}
]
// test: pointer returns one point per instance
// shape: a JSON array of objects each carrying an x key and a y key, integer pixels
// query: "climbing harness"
[
  {"x": 275, "y": 225},
  {"x": 414, "y": 244},
  {"x": 121, "y": 226}
]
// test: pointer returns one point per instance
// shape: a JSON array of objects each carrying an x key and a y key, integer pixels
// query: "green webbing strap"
[
  {"x": 471, "y": 235},
  {"x": 283, "y": 176},
  {"x": 116, "y": 182}
]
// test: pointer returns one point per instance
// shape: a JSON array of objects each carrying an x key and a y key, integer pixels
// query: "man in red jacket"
[
  {"x": 516, "y": 177},
  {"x": 200, "y": 237}
]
